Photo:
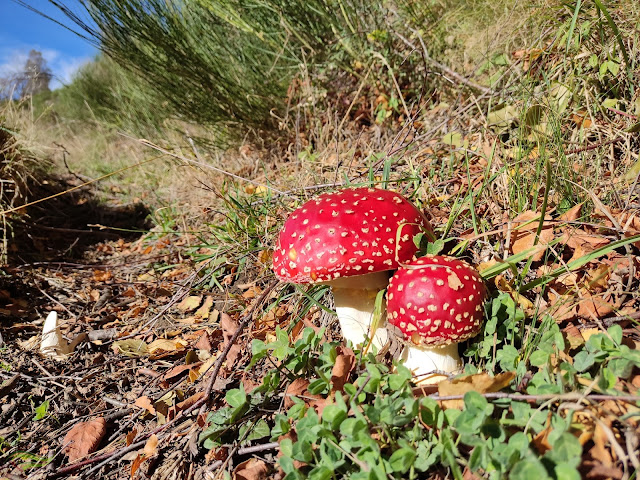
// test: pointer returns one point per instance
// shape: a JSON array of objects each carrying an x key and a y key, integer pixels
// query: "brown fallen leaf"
[
  {"x": 151, "y": 447},
  {"x": 146, "y": 403},
  {"x": 102, "y": 275},
  {"x": 189, "y": 401},
  {"x": 190, "y": 303},
  {"x": 205, "y": 309},
  {"x": 130, "y": 437},
  {"x": 479, "y": 382},
  {"x": 582, "y": 242},
  {"x": 205, "y": 342},
  {"x": 572, "y": 214},
  {"x": 178, "y": 371},
  {"x": 595, "y": 306},
  {"x": 573, "y": 336},
  {"x": 524, "y": 237},
  {"x": 165, "y": 345},
  {"x": 229, "y": 327},
  {"x": 84, "y": 438},
  {"x": 297, "y": 388},
  {"x": 252, "y": 469},
  {"x": 344, "y": 364}
]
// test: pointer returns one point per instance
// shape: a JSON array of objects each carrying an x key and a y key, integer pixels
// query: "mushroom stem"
[
  {"x": 354, "y": 299},
  {"x": 430, "y": 364}
]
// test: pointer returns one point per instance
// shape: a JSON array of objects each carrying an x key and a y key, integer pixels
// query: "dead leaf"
[
  {"x": 228, "y": 326},
  {"x": 573, "y": 336},
  {"x": 178, "y": 371},
  {"x": 130, "y": 437},
  {"x": 151, "y": 447},
  {"x": 344, "y": 364},
  {"x": 205, "y": 342},
  {"x": 102, "y": 275},
  {"x": 135, "y": 465},
  {"x": 146, "y": 403},
  {"x": 524, "y": 237},
  {"x": 165, "y": 345},
  {"x": 595, "y": 306},
  {"x": 205, "y": 309},
  {"x": 572, "y": 214},
  {"x": 188, "y": 402},
  {"x": 131, "y": 347},
  {"x": 295, "y": 389},
  {"x": 189, "y": 303},
  {"x": 84, "y": 438},
  {"x": 479, "y": 382},
  {"x": 582, "y": 242},
  {"x": 252, "y": 469}
]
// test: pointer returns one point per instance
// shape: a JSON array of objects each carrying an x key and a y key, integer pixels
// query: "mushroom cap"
[
  {"x": 349, "y": 232},
  {"x": 436, "y": 300}
]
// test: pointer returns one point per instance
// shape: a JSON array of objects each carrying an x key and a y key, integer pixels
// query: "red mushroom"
[
  {"x": 349, "y": 240},
  {"x": 435, "y": 302}
]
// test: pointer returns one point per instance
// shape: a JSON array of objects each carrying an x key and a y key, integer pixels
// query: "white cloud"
[{"x": 63, "y": 67}]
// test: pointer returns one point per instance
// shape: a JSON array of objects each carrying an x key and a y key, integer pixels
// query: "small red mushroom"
[
  {"x": 349, "y": 239},
  {"x": 435, "y": 302}
]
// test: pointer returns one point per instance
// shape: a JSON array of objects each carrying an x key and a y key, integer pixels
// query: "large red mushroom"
[
  {"x": 435, "y": 302},
  {"x": 350, "y": 239}
]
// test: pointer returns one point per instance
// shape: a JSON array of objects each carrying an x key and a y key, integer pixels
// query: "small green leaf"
[
  {"x": 435, "y": 247},
  {"x": 564, "y": 471},
  {"x": 41, "y": 410},
  {"x": 259, "y": 430},
  {"x": 615, "y": 332},
  {"x": 402, "y": 459},
  {"x": 566, "y": 449},
  {"x": 613, "y": 67},
  {"x": 539, "y": 358},
  {"x": 529, "y": 468},
  {"x": 452, "y": 139},
  {"x": 236, "y": 397},
  {"x": 583, "y": 361}
]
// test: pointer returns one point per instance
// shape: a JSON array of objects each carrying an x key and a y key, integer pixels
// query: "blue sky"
[{"x": 22, "y": 30}]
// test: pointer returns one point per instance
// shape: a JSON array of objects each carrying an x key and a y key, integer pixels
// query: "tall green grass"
[
  {"x": 104, "y": 92},
  {"x": 226, "y": 62}
]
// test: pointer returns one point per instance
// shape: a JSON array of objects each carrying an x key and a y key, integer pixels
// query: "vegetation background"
[{"x": 514, "y": 125}]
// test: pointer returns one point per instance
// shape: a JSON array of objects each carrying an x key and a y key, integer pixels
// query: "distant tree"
[
  {"x": 35, "y": 76},
  {"x": 33, "y": 79}
]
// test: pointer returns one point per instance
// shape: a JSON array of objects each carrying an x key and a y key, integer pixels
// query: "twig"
[
  {"x": 597, "y": 145},
  {"x": 246, "y": 451},
  {"x": 546, "y": 396}
]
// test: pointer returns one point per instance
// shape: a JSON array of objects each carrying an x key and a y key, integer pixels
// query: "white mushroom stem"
[
  {"x": 354, "y": 299},
  {"x": 429, "y": 364}
]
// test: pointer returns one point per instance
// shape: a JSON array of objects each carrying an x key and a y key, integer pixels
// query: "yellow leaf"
[
  {"x": 151, "y": 447},
  {"x": 190, "y": 303},
  {"x": 479, "y": 382},
  {"x": 131, "y": 347},
  {"x": 165, "y": 345},
  {"x": 203, "y": 311}
]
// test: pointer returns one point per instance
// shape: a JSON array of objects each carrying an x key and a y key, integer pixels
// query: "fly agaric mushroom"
[
  {"x": 435, "y": 302},
  {"x": 349, "y": 240}
]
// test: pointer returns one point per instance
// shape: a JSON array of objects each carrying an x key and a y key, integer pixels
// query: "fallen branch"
[{"x": 546, "y": 396}]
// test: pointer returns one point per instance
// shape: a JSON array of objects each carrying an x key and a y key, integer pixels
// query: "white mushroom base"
[
  {"x": 355, "y": 299},
  {"x": 431, "y": 364}
]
